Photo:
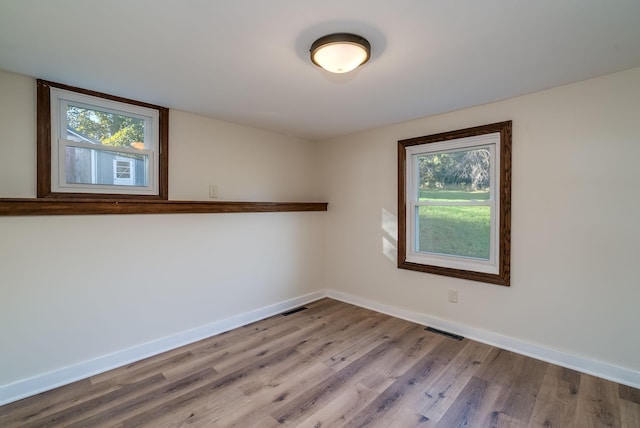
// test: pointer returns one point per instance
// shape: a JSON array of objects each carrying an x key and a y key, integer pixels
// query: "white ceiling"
[{"x": 246, "y": 61}]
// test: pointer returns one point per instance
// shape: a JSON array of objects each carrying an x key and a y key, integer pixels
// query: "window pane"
[
  {"x": 459, "y": 175},
  {"x": 98, "y": 127},
  {"x": 123, "y": 169},
  {"x": 462, "y": 231},
  {"x": 89, "y": 166}
]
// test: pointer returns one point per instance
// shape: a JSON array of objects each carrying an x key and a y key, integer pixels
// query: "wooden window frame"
[
  {"x": 44, "y": 189},
  {"x": 503, "y": 277}
]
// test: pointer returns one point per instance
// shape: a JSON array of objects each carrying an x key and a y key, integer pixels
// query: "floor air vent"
[
  {"x": 293, "y": 311},
  {"x": 444, "y": 333}
]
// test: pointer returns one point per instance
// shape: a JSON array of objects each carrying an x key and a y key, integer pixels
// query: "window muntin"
[
  {"x": 454, "y": 203},
  {"x": 81, "y": 133}
]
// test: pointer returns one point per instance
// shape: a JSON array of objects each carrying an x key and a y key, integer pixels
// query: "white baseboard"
[
  {"x": 46, "y": 381},
  {"x": 585, "y": 365},
  {"x": 63, "y": 376}
]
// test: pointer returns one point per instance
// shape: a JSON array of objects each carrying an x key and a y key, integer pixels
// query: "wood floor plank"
[
  {"x": 412, "y": 344},
  {"x": 270, "y": 397},
  {"x": 407, "y": 418},
  {"x": 464, "y": 410},
  {"x": 304, "y": 332},
  {"x": 598, "y": 404},
  {"x": 316, "y": 310},
  {"x": 374, "y": 330},
  {"x": 629, "y": 394},
  {"x": 412, "y": 382},
  {"x": 141, "y": 370},
  {"x": 557, "y": 400},
  {"x": 203, "y": 392},
  {"x": 228, "y": 351},
  {"x": 382, "y": 373},
  {"x": 333, "y": 365},
  {"x": 447, "y": 387},
  {"x": 629, "y": 414},
  {"x": 141, "y": 400},
  {"x": 205, "y": 411},
  {"x": 70, "y": 414},
  {"x": 46, "y": 403},
  {"x": 338, "y": 335},
  {"x": 231, "y": 354},
  {"x": 319, "y": 395},
  {"x": 516, "y": 403},
  {"x": 502, "y": 367},
  {"x": 341, "y": 408},
  {"x": 485, "y": 414},
  {"x": 266, "y": 422}
]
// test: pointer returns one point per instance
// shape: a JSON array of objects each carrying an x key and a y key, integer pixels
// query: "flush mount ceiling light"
[{"x": 340, "y": 52}]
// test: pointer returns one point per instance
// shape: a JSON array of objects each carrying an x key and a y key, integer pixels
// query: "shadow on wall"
[{"x": 390, "y": 236}]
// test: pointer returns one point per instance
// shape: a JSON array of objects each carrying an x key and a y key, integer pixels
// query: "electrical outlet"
[
  {"x": 213, "y": 191},
  {"x": 453, "y": 296}
]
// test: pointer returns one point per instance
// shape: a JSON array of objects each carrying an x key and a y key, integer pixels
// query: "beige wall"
[
  {"x": 81, "y": 287},
  {"x": 73, "y": 288},
  {"x": 575, "y": 211},
  {"x": 247, "y": 164}
]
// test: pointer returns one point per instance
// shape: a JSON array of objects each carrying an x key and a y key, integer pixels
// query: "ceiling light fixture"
[{"x": 340, "y": 52}]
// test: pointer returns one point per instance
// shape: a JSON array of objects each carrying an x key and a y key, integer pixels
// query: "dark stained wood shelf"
[{"x": 46, "y": 206}]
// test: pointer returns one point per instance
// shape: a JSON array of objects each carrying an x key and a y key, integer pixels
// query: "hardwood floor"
[{"x": 333, "y": 365}]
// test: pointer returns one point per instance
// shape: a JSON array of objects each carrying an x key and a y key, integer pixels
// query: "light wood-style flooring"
[{"x": 333, "y": 365}]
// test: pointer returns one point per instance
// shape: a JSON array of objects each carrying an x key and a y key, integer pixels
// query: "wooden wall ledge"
[{"x": 29, "y": 207}]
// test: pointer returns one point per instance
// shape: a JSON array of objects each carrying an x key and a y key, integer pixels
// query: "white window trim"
[
  {"x": 59, "y": 100},
  {"x": 492, "y": 266}
]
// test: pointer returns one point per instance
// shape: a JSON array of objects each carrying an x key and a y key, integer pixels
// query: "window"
[
  {"x": 454, "y": 203},
  {"x": 123, "y": 172},
  {"x": 94, "y": 145}
]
